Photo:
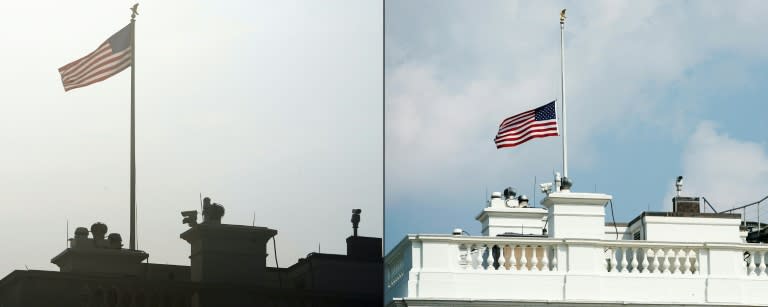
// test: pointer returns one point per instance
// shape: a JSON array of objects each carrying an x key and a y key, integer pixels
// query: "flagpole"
[
  {"x": 562, "y": 92},
  {"x": 132, "y": 244}
]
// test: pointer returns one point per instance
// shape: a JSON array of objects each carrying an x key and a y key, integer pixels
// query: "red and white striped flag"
[
  {"x": 537, "y": 123},
  {"x": 112, "y": 57}
]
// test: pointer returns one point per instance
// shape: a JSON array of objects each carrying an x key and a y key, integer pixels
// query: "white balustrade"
[
  {"x": 755, "y": 263},
  {"x": 512, "y": 256},
  {"x": 616, "y": 264},
  {"x": 634, "y": 258},
  {"x": 394, "y": 269}
]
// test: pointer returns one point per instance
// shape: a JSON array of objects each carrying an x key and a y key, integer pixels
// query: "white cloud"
[
  {"x": 727, "y": 171},
  {"x": 453, "y": 74}
]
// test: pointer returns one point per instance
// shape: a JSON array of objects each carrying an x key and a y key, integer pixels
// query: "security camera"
[
  {"x": 545, "y": 188},
  {"x": 510, "y": 192},
  {"x": 679, "y": 184}
]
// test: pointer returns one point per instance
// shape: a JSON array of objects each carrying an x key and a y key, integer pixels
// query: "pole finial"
[
  {"x": 562, "y": 16},
  {"x": 134, "y": 11}
]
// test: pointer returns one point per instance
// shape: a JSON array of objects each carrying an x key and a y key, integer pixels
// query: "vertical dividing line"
[{"x": 133, "y": 134}]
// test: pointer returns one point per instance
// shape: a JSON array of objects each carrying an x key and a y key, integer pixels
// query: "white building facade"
[{"x": 658, "y": 259}]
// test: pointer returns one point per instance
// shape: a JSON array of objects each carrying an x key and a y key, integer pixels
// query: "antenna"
[
  {"x": 201, "y": 202},
  {"x": 135, "y": 209},
  {"x": 254, "y": 219}
]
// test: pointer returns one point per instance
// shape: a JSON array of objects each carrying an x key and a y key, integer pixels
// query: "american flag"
[
  {"x": 537, "y": 123},
  {"x": 110, "y": 58}
]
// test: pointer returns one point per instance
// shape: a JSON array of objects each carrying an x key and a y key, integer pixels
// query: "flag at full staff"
[
  {"x": 110, "y": 58},
  {"x": 520, "y": 128}
]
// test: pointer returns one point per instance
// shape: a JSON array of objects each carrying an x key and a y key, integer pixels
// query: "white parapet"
[
  {"x": 501, "y": 220},
  {"x": 444, "y": 270},
  {"x": 576, "y": 215}
]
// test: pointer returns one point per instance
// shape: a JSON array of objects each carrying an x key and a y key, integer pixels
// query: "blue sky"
[{"x": 655, "y": 89}]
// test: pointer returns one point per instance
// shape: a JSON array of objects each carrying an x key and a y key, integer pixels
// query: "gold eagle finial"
[
  {"x": 562, "y": 16},
  {"x": 134, "y": 10}
]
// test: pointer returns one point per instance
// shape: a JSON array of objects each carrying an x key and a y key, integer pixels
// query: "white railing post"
[
  {"x": 534, "y": 258},
  {"x": 635, "y": 263},
  {"x": 665, "y": 262},
  {"x": 545, "y": 258},
  {"x": 513, "y": 258},
  {"x": 502, "y": 260},
  {"x": 523, "y": 258},
  {"x": 556, "y": 250},
  {"x": 751, "y": 267}
]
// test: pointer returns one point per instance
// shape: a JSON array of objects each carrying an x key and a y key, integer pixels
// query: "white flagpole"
[{"x": 562, "y": 92}]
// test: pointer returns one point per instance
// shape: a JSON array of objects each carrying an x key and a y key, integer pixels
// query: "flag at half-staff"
[
  {"x": 110, "y": 58},
  {"x": 520, "y": 128}
]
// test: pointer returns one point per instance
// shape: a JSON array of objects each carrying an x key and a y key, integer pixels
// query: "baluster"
[
  {"x": 545, "y": 259},
  {"x": 676, "y": 261},
  {"x": 635, "y": 264},
  {"x": 554, "y": 258},
  {"x": 534, "y": 258},
  {"x": 643, "y": 252},
  {"x": 463, "y": 251},
  {"x": 761, "y": 269},
  {"x": 612, "y": 261},
  {"x": 487, "y": 258},
  {"x": 665, "y": 265},
  {"x": 523, "y": 258},
  {"x": 502, "y": 261},
  {"x": 475, "y": 256},
  {"x": 624, "y": 260},
  {"x": 751, "y": 266},
  {"x": 686, "y": 265},
  {"x": 695, "y": 259},
  {"x": 654, "y": 253},
  {"x": 513, "y": 258}
]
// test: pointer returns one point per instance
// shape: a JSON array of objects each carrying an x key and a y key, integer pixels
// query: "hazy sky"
[
  {"x": 655, "y": 89},
  {"x": 272, "y": 107}
]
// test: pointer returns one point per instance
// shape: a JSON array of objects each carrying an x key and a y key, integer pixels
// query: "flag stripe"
[
  {"x": 97, "y": 67},
  {"x": 73, "y": 67},
  {"x": 106, "y": 73},
  {"x": 517, "y": 116},
  {"x": 523, "y": 135},
  {"x": 70, "y": 65},
  {"x": 110, "y": 58},
  {"x": 505, "y": 145},
  {"x": 86, "y": 67},
  {"x": 530, "y": 127},
  {"x": 518, "y": 121},
  {"x": 520, "y": 128}
]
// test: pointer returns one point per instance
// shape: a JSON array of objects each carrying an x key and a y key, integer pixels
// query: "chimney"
[
  {"x": 686, "y": 206},
  {"x": 225, "y": 253},
  {"x": 97, "y": 254}
]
